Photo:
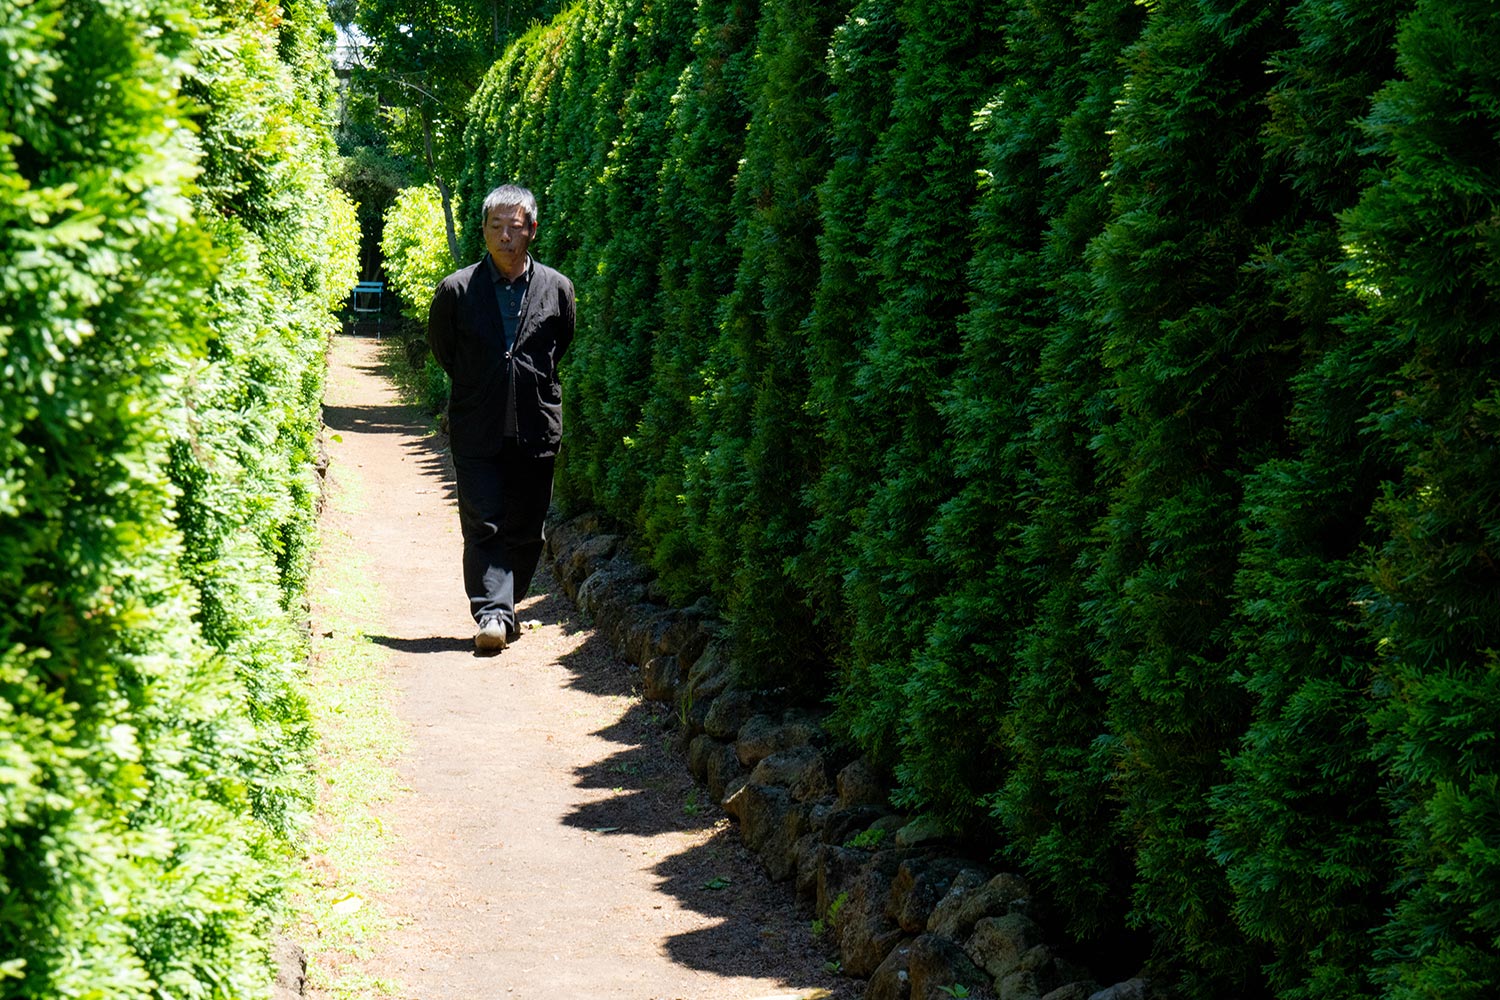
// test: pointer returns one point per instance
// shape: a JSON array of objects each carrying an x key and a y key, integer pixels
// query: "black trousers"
[{"x": 502, "y": 504}]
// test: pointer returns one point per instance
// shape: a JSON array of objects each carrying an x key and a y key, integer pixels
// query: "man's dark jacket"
[{"x": 468, "y": 340}]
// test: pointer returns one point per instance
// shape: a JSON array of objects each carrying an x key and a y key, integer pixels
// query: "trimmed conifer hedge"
[
  {"x": 1093, "y": 402},
  {"x": 169, "y": 256}
]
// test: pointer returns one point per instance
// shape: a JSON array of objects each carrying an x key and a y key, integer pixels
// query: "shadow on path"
[
  {"x": 429, "y": 644},
  {"x": 758, "y": 929},
  {"x": 429, "y": 450}
]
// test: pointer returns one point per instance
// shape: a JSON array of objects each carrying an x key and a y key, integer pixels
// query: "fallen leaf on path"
[{"x": 348, "y": 904}]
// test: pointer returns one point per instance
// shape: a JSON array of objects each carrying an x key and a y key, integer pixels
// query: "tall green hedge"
[
  {"x": 1424, "y": 264},
  {"x": 168, "y": 258},
  {"x": 1200, "y": 367},
  {"x": 1031, "y": 337},
  {"x": 695, "y": 214},
  {"x": 1300, "y": 825},
  {"x": 761, "y": 451},
  {"x": 1091, "y": 401},
  {"x": 862, "y": 56},
  {"x": 924, "y": 185}
]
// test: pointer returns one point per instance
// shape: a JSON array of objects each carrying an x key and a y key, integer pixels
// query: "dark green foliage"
[
  {"x": 649, "y": 48},
  {"x": 599, "y": 416},
  {"x": 695, "y": 215},
  {"x": 1200, "y": 354},
  {"x": 762, "y": 450},
  {"x": 862, "y": 64},
  {"x": 1425, "y": 264},
  {"x": 1301, "y": 829},
  {"x": 963, "y": 671},
  {"x": 1033, "y": 348},
  {"x": 924, "y": 169}
]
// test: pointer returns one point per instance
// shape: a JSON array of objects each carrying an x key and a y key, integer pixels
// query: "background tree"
[
  {"x": 1144, "y": 479},
  {"x": 862, "y": 60},
  {"x": 762, "y": 444},
  {"x": 1032, "y": 348},
  {"x": 695, "y": 219},
  {"x": 1201, "y": 353},
  {"x": 414, "y": 67},
  {"x": 924, "y": 172}
]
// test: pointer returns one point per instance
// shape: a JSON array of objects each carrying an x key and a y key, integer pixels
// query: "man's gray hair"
[{"x": 508, "y": 196}]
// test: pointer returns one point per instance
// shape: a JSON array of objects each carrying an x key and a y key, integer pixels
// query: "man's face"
[{"x": 507, "y": 234}]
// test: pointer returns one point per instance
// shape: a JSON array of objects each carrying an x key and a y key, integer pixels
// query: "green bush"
[
  {"x": 1019, "y": 536},
  {"x": 862, "y": 62},
  {"x": 1201, "y": 365},
  {"x": 157, "y": 489},
  {"x": 612, "y": 354},
  {"x": 762, "y": 444},
  {"x": 415, "y": 249},
  {"x": 924, "y": 185},
  {"x": 695, "y": 215}
]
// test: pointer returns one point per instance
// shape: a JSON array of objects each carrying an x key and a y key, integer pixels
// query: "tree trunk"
[{"x": 442, "y": 187}]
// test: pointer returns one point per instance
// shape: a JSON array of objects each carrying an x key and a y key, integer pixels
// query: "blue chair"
[{"x": 367, "y": 298}]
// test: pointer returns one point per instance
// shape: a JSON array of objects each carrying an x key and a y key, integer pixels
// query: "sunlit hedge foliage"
[
  {"x": 1095, "y": 402},
  {"x": 415, "y": 249},
  {"x": 414, "y": 245},
  {"x": 169, "y": 255}
]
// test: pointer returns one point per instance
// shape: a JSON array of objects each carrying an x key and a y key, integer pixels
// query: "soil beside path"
[{"x": 548, "y": 840}]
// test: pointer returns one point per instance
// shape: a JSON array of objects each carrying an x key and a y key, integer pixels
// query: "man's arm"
[
  {"x": 569, "y": 317},
  {"x": 440, "y": 335}
]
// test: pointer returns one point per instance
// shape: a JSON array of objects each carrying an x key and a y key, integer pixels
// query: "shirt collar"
[{"x": 497, "y": 277}]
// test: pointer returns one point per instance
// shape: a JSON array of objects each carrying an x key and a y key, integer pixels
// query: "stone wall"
[{"x": 908, "y": 915}]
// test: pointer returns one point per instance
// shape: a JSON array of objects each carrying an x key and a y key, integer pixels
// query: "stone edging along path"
[{"x": 910, "y": 917}]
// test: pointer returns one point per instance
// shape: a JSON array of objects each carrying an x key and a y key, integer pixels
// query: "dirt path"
[{"x": 549, "y": 842}]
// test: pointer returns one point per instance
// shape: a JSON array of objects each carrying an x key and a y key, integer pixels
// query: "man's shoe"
[{"x": 491, "y": 636}]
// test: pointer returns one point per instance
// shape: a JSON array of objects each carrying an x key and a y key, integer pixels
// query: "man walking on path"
[{"x": 499, "y": 328}]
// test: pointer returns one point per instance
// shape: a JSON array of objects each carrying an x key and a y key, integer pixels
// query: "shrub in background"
[
  {"x": 695, "y": 216},
  {"x": 415, "y": 249},
  {"x": 924, "y": 173},
  {"x": 1299, "y": 824},
  {"x": 862, "y": 60},
  {"x": 416, "y": 257},
  {"x": 1027, "y": 405},
  {"x": 761, "y": 444}
]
